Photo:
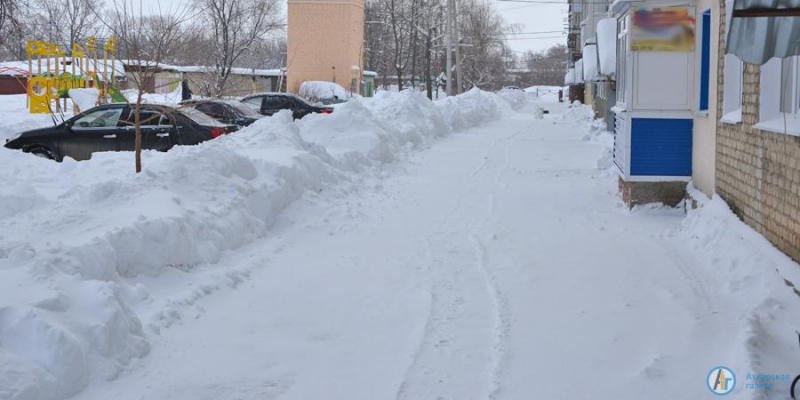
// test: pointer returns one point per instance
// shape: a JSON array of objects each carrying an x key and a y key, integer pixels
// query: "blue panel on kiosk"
[{"x": 661, "y": 147}]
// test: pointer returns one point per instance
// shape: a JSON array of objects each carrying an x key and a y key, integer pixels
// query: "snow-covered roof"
[
  {"x": 590, "y": 62},
  {"x": 20, "y": 68},
  {"x": 607, "y": 45},
  {"x": 202, "y": 68},
  {"x": 370, "y": 73}
]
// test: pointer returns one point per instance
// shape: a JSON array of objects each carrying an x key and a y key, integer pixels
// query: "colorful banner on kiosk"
[{"x": 662, "y": 29}]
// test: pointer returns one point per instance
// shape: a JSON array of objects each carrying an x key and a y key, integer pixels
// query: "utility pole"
[
  {"x": 448, "y": 44},
  {"x": 457, "y": 41}
]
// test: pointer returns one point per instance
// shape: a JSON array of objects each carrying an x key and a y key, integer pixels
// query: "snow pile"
[
  {"x": 73, "y": 233},
  {"x": 85, "y": 99},
  {"x": 392, "y": 123},
  {"x": 515, "y": 97},
  {"x": 472, "y": 108},
  {"x": 173, "y": 97},
  {"x": 16, "y": 118},
  {"x": 84, "y": 246},
  {"x": 760, "y": 283},
  {"x": 579, "y": 113}
]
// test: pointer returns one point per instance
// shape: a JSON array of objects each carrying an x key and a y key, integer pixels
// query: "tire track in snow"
[
  {"x": 449, "y": 332},
  {"x": 502, "y": 322}
]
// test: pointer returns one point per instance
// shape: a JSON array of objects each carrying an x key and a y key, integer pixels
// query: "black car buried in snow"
[
  {"x": 225, "y": 111},
  {"x": 111, "y": 128},
  {"x": 271, "y": 103}
]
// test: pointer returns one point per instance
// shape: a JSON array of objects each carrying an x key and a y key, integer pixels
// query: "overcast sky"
[
  {"x": 532, "y": 17},
  {"x": 529, "y": 17}
]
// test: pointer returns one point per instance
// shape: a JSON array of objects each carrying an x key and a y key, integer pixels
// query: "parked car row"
[{"x": 112, "y": 127}]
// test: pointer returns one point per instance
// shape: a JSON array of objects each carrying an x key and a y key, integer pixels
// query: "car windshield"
[
  {"x": 199, "y": 118},
  {"x": 243, "y": 109}
]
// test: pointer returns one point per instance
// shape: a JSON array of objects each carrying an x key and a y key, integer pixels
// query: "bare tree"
[
  {"x": 404, "y": 39},
  {"x": 487, "y": 58},
  {"x": 546, "y": 67},
  {"x": 236, "y": 26},
  {"x": 10, "y": 26},
  {"x": 146, "y": 41},
  {"x": 67, "y": 21}
]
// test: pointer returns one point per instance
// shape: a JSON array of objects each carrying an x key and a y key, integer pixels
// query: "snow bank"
[
  {"x": 15, "y": 117},
  {"x": 80, "y": 242},
  {"x": 472, "y": 108},
  {"x": 761, "y": 284},
  {"x": 392, "y": 124},
  {"x": 579, "y": 113},
  {"x": 514, "y": 97}
]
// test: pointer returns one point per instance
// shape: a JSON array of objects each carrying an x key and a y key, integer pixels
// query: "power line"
[
  {"x": 532, "y": 33},
  {"x": 534, "y": 38}
]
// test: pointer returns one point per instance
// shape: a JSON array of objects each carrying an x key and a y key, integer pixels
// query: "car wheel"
[{"x": 43, "y": 152}]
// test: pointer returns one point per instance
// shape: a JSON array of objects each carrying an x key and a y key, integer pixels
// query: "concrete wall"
[
  {"x": 325, "y": 40},
  {"x": 758, "y": 172},
  {"x": 704, "y": 138},
  {"x": 236, "y": 85}
]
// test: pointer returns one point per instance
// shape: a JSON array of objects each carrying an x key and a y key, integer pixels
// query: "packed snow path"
[{"x": 499, "y": 264}]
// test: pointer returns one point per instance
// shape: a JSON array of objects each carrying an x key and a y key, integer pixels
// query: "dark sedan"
[
  {"x": 271, "y": 103},
  {"x": 225, "y": 111},
  {"x": 111, "y": 128}
]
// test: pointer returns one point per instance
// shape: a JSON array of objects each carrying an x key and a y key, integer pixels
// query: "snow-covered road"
[{"x": 499, "y": 264}]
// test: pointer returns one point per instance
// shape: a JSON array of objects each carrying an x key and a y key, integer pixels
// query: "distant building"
[
  {"x": 325, "y": 42},
  {"x": 166, "y": 78}
]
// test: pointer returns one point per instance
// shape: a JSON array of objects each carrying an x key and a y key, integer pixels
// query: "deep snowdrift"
[{"x": 78, "y": 239}]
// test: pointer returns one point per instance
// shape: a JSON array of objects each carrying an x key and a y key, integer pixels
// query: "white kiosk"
[{"x": 653, "y": 113}]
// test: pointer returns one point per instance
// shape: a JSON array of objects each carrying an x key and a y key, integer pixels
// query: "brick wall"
[
  {"x": 758, "y": 172},
  {"x": 325, "y": 41}
]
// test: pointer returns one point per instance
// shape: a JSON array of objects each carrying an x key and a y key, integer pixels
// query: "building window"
[
  {"x": 622, "y": 56},
  {"x": 790, "y": 95},
  {"x": 705, "y": 60},
  {"x": 779, "y": 101},
  {"x": 733, "y": 76}
]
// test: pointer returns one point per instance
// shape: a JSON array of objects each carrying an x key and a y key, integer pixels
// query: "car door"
[
  {"x": 155, "y": 127},
  {"x": 274, "y": 104},
  {"x": 92, "y": 132}
]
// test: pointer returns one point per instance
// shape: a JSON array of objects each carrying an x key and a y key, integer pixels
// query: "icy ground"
[{"x": 494, "y": 263}]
